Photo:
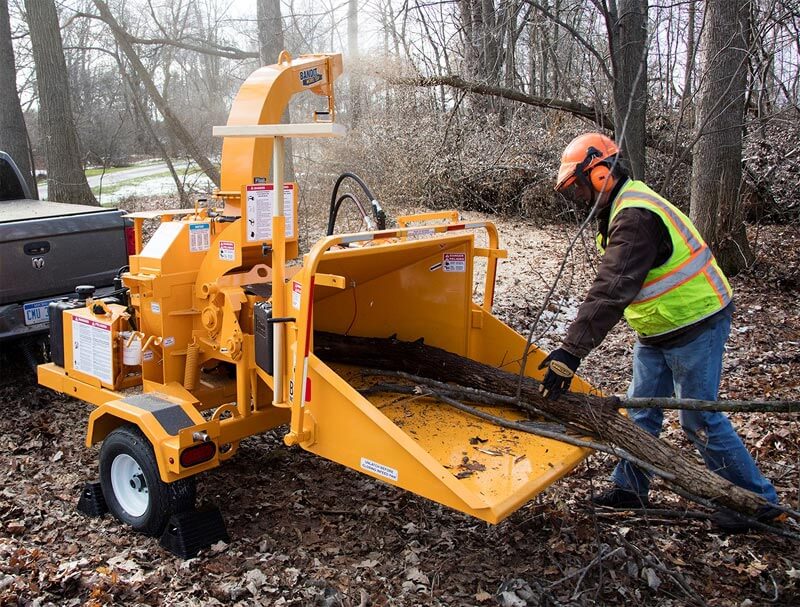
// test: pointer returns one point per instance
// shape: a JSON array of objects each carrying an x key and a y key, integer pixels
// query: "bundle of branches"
[{"x": 453, "y": 378}]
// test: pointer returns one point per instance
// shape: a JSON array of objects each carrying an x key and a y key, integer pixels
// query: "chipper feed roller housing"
[{"x": 210, "y": 338}]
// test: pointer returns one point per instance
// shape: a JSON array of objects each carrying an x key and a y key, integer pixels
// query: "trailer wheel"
[{"x": 132, "y": 488}]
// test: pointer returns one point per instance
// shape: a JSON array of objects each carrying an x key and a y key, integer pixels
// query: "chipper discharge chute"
[{"x": 210, "y": 338}]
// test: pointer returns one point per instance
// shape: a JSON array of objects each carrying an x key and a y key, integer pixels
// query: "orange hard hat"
[{"x": 583, "y": 153}]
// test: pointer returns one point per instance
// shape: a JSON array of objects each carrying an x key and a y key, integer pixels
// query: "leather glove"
[{"x": 561, "y": 367}]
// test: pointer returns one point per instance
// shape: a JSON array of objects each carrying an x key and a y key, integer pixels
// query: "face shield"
[{"x": 579, "y": 194}]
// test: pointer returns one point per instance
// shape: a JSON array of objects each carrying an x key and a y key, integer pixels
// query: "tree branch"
[
  {"x": 577, "y": 109},
  {"x": 731, "y": 406},
  {"x": 216, "y": 50}
]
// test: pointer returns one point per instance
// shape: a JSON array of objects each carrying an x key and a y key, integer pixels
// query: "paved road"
[{"x": 134, "y": 172}]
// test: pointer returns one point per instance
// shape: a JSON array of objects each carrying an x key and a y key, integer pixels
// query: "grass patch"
[
  {"x": 108, "y": 170},
  {"x": 114, "y": 187}
]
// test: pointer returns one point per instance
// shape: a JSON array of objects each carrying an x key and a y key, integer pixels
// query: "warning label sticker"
[
  {"x": 379, "y": 469},
  {"x": 454, "y": 262},
  {"x": 92, "y": 349},
  {"x": 297, "y": 291},
  {"x": 199, "y": 237},
  {"x": 260, "y": 198},
  {"x": 227, "y": 250}
]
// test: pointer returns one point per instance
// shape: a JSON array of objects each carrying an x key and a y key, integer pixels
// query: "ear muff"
[{"x": 601, "y": 178}]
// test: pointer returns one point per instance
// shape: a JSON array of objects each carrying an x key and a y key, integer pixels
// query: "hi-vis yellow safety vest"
[{"x": 684, "y": 290}]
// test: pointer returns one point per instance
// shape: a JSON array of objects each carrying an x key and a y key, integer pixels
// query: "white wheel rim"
[{"x": 129, "y": 485}]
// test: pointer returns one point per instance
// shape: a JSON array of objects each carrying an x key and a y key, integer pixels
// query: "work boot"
[
  {"x": 730, "y": 523},
  {"x": 617, "y": 497}
]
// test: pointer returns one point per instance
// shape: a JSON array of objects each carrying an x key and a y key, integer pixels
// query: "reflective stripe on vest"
[
  {"x": 686, "y": 271},
  {"x": 714, "y": 276},
  {"x": 678, "y": 224}
]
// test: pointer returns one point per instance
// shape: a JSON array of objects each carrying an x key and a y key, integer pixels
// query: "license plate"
[{"x": 36, "y": 312}]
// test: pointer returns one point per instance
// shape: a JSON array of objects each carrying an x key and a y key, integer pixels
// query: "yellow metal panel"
[
  {"x": 351, "y": 431},
  {"x": 97, "y": 336},
  {"x": 400, "y": 288},
  {"x": 423, "y": 446},
  {"x": 56, "y": 378}
]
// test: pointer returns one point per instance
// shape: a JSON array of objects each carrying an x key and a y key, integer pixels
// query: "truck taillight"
[
  {"x": 130, "y": 240},
  {"x": 197, "y": 454}
]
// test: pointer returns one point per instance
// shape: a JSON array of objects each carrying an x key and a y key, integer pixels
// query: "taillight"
[
  {"x": 197, "y": 454},
  {"x": 130, "y": 240}
]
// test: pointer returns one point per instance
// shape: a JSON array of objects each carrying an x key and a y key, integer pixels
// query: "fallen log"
[{"x": 595, "y": 417}]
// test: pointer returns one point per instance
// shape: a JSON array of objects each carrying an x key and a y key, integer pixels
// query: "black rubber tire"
[{"x": 165, "y": 499}]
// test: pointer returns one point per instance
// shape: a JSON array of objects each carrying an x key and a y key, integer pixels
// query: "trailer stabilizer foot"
[
  {"x": 189, "y": 532},
  {"x": 92, "y": 502}
]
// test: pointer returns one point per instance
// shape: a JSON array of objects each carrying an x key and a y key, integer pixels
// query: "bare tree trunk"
[
  {"x": 66, "y": 181},
  {"x": 483, "y": 38},
  {"x": 356, "y": 85},
  {"x": 141, "y": 111},
  {"x": 686, "y": 97},
  {"x": 717, "y": 164},
  {"x": 13, "y": 132},
  {"x": 628, "y": 46},
  {"x": 270, "y": 45},
  {"x": 172, "y": 121}
]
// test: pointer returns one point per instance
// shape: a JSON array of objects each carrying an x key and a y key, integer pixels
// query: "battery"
[{"x": 262, "y": 313}]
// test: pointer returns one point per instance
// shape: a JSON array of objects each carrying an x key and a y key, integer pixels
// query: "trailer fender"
[{"x": 169, "y": 425}]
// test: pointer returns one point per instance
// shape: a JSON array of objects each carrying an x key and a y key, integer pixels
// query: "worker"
[{"x": 659, "y": 274}]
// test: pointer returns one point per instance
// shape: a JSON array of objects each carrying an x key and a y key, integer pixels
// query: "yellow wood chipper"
[{"x": 211, "y": 337}]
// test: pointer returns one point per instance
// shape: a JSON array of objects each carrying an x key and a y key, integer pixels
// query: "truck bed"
[{"x": 24, "y": 208}]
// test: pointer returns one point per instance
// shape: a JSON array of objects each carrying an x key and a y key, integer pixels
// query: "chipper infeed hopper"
[
  {"x": 422, "y": 288},
  {"x": 212, "y": 337}
]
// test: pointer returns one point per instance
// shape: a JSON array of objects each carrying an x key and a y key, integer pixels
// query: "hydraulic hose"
[{"x": 336, "y": 203}]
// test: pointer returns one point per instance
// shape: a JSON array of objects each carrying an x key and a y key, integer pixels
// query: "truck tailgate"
[{"x": 49, "y": 255}]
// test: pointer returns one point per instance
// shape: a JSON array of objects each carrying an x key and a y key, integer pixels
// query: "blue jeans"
[{"x": 691, "y": 371}]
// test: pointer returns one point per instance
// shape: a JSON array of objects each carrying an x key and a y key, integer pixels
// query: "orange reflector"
[{"x": 197, "y": 454}]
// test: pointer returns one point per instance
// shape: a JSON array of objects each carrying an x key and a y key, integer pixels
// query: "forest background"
[{"x": 462, "y": 103}]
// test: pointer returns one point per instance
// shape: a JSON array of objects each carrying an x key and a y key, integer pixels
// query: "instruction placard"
[
  {"x": 199, "y": 237},
  {"x": 259, "y": 211},
  {"x": 92, "y": 349},
  {"x": 379, "y": 469}
]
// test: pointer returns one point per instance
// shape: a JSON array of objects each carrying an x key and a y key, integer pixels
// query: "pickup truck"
[{"x": 46, "y": 250}]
